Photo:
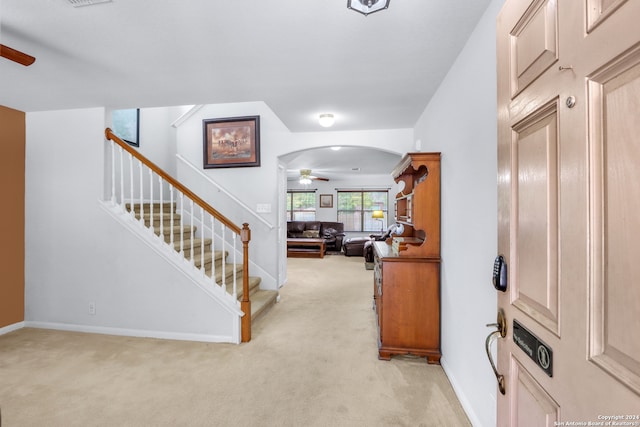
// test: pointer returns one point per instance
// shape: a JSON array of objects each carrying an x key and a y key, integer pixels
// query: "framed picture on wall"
[
  {"x": 231, "y": 142},
  {"x": 126, "y": 125},
  {"x": 326, "y": 200}
]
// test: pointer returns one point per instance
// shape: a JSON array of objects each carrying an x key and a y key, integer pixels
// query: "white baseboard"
[
  {"x": 139, "y": 333},
  {"x": 11, "y": 328},
  {"x": 466, "y": 405}
]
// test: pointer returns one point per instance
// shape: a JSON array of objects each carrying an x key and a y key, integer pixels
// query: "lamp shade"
[{"x": 377, "y": 215}]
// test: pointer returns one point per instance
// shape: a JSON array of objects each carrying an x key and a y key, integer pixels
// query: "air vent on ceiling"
[{"x": 80, "y": 3}]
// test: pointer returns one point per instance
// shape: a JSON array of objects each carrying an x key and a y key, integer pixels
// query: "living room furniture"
[
  {"x": 406, "y": 286},
  {"x": 305, "y": 248},
  {"x": 354, "y": 246},
  {"x": 367, "y": 252},
  {"x": 331, "y": 232},
  {"x": 357, "y": 246}
]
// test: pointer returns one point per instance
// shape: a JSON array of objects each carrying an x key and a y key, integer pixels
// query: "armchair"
[{"x": 333, "y": 234}]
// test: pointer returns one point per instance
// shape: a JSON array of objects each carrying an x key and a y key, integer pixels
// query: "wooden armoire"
[{"x": 407, "y": 267}]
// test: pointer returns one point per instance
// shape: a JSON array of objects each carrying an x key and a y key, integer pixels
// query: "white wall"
[
  {"x": 158, "y": 137},
  {"x": 460, "y": 121},
  {"x": 76, "y": 253}
]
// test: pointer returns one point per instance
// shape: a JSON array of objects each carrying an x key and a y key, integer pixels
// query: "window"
[
  {"x": 301, "y": 205},
  {"x": 355, "y": 209}
]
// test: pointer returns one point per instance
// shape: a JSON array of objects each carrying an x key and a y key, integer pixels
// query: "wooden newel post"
[{"x": 245, "y": 303}]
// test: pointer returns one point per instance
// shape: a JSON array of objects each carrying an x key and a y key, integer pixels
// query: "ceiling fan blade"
[
  {"x": 16, "y": 56},
  {"x": 319, "y": 178}
]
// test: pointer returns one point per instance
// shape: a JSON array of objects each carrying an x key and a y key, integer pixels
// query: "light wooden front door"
[{"x": 569, "y": 211}]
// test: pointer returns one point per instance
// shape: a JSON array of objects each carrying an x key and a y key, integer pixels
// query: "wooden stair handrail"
[
  {"x": 244, "y": 232},
  {"x": 113, "y": 137}
]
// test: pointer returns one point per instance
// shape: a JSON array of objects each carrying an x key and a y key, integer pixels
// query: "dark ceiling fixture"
[
  {"x": 367, "y": 7},
  {"x": 16, "y": 56}
]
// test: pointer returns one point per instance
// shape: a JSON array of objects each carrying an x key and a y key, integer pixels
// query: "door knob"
[{"x": 501, "y": 329}]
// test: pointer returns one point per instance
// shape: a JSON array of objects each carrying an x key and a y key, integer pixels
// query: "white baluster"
[
  {"x": 235, "y": 269},
  {"x": 213, "y": 250},
  {"x": 151, "y": 227},
  {"x": 122, "y": 179},
  {"x": 171, "y": 210},
  {"x": 191, "y": 235},
  {"x": 141, "y": 174},
  {"x": 161, "y": 234},
  {"x": 224, "y": 259},
  {"x": 181, "y": 224},
  {"x": 131, "y": 196},
  {"x": 113, "y": 173},
  {"x": 202, "y": 233}
]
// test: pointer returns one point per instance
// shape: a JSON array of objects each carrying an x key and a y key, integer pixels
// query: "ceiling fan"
[
  {"x": 16, "y": 56},
  {"x": 306, "y": 177}
]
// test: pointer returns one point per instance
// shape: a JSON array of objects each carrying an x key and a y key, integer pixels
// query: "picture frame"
[
  {"x": 326, "y": 200},
  {"x": 231, "y": 142},
  {"x": 126, "y": 125}
]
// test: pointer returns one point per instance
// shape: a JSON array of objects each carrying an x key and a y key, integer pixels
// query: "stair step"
[
  {"x": 166, "y": 218},
  {"x": 261, "y": 299},
  {"x": 254, "y": 286},
  {"x": 228, "y": 269},
  {"x": 167, "y": 231},
  {"x": 166, "y": 207},
  {"x": 209, "y": 257},
  {"x": 261, "y": 302},
  {"x": 197, "y": 242},
  {"x": 228, "y": 272}
]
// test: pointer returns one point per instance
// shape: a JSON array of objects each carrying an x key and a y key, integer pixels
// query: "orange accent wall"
[{"x": 12, "y": 170}]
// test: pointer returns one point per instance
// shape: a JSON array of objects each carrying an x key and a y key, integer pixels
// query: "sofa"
[{"x": 331, "y": 232}]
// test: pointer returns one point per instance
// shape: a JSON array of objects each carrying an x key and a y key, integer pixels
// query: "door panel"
[
  {"x": 569, "y": 203},
  {"x": 534, "y": 44},
  {"x": 534, "y": 406},
  {"x": 535, "y": 291},
  {"x": 613, "y": 91},
  {"x": 599, "y": 10}
]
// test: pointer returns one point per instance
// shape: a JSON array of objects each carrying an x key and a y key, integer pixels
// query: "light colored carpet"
[{"x": 312, "y": 362}]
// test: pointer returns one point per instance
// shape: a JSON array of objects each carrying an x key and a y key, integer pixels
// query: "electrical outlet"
[{"x": 92, "y": 308}]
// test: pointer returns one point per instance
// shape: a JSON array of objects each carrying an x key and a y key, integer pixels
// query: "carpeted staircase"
[{"x": 261, "y": 299}]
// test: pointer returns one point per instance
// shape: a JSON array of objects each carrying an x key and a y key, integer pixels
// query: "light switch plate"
[{"x": 263, "y": 208}]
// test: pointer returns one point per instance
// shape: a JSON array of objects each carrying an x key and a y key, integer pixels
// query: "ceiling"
[
  {"x": 300, "y": 57},
  {"x": 343, "y": 164}
]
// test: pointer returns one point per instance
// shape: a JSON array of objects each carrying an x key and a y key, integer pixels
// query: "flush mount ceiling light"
[
  {"x": 367, "y": 7},
  {"x": 326, "y": 120}
]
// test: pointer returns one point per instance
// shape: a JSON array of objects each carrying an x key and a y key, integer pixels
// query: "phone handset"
[{"x": 500, "y": 274}]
